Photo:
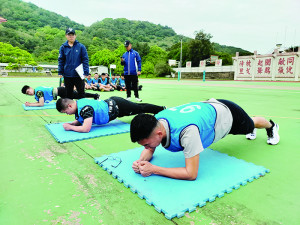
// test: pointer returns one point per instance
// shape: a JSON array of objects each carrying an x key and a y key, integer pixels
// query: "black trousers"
[
  {"x": 242, "y": 123},
  {"x": 131, "y": 82},
  {"x": 70, "y": 82},
  {"x": 61, "y": 92},
  {"x": 128, "y": 108}
]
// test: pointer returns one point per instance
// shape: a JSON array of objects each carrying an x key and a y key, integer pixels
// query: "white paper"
[{"x": 79, "y": 70}]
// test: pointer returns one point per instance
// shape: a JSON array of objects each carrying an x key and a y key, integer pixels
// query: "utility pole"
[
  {"x": 180, "y": 63},
  {"x": 181, "y": 53}
]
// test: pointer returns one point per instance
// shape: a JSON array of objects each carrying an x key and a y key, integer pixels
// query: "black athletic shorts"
[
  {"x": 242, "y": 123},
  {"x": 61, "y": 92}
]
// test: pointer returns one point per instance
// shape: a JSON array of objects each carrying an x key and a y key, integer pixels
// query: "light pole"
[
  {"x": 180, "y": 63},
  {"x": 181, "y": 53}
]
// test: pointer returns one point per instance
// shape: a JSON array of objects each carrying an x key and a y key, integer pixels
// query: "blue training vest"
[
  {"x": 89, "y": 82},
  {"x": 104, "y": 82},
  {"x": 122, "y": 82},
  {"x": 203, "y": 115},
  {"x": 95, "y": 81},
  {"x": 114, "y": 81},
  {"x": 100, "y": 107},
  {"x": 48, "y": 93}
]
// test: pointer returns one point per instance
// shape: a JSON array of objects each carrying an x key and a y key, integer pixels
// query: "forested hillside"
[
  {"x": 41, "y": 32},
  {"x": 27, "y": 16}
]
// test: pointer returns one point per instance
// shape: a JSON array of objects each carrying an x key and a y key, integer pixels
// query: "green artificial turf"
[{"x": 44, "y": 182}]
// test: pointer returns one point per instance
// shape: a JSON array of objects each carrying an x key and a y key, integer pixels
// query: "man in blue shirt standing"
[
  {"x": 71, "y": 55},
  {"x": 132, "y": 63}
]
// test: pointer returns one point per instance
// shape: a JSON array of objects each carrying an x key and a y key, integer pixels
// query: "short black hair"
[
  {"x": 24, "y": 89},
  {"x": 62, "y": 104},
  {"x": 142, "y": 126}
]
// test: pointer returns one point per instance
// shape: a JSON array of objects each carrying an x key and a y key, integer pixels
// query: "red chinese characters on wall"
[
  {"x": 245, "y": 67},
  {"x": 248, "y": 63},
  {"x": 290, "y": 60},
  {"x": 241, "y": 70},
  {"x": 267, "y": 70},
  {"x": 260, "y": 70},
  {"x": 263, "y": 67},
  {"x": 280, "y": 70},
  {"x": 248, "y": 70},
  {"x": 270, "y": 66},
  {"x": 285, "y": 66},
  {"x": 268, "y": 62}
]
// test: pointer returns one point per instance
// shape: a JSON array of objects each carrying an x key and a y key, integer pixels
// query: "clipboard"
[{"x": 79, "y": 70}]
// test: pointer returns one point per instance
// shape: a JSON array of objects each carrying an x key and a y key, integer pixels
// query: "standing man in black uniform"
[{"x": 71, "y": 55}]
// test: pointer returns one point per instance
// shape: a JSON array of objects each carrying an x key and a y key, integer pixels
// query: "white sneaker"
[
  {"x": 252, "y": 135},
  {"x": 273, "y": 136},
  {"x": 138, "y": 99},
  {"x": 128, "y": 99}
]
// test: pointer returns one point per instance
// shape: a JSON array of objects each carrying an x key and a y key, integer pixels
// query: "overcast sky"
[{"x": 248, "y": 24}]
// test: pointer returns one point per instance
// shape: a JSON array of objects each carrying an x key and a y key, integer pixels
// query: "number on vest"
[{"x": 187, "y": 109}]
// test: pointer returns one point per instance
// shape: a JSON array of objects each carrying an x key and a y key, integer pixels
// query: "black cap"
[
  {"x": 126, "y": 43},
  {"x": 70, "y": 31}
]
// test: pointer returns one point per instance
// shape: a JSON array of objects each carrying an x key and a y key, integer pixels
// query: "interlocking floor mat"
[
  {"x": 50, "y": 105},
  {"x": 62, "y": 136},
  {"x": 218, "y": 174}
]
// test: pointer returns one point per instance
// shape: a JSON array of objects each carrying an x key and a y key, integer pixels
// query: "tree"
[
  {"x": 162, "y": 69},
  {"x": 118, "y": 54},
  {"x": 10, "y": 54},
  {"x": 226, "y": 58},
  {"x": 147, "y": 69},
  {"x": 12, "y": 66},
  {"x": 155, "y": 55},
  {"x": 39, "y": 68},
  {"x": 230, "y": 50},
  {"x": 143, "y": 49},
  {"x": 49, "y": 56},
  {"x": 104, "y": 57},
  {"x": 174, "y": 52},
  {"x": 200, "y": 48}
]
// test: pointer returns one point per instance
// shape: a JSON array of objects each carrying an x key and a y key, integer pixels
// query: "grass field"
[{"x": 44, "y": 182}]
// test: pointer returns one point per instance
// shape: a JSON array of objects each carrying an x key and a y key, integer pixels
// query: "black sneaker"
[
  {"x": 272, "y": 132},
  {"x": 97, "y": 96}
]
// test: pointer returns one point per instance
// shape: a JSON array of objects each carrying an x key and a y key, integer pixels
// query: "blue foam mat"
[
  {"x": 50, "y": 105},
  {"x": 218, "y": 174},
  {"x": 62, "y": 136}
]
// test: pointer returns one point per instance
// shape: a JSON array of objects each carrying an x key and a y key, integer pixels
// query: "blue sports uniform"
[
  {"x": 100, "y": 113},
  {"x": 200, "y": 114},
  {"x": 114, "y": 81},
  {"x": 95, "y": 81},
  {"x": 104, "y": 82},
  {"x": 89, "y": 82},
  {"x": 122, "y": 83},
  {"x": 47, "y": 93},
  {"x": 132, "y": 62}
]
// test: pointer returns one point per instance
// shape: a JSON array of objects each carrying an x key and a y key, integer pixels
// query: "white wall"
[
  {"x": 275, "y": 67},
  {"x": 207, "y": 69}
]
